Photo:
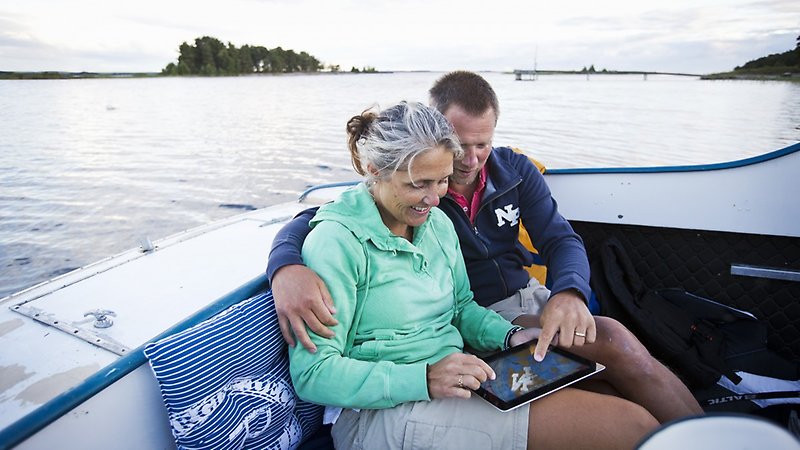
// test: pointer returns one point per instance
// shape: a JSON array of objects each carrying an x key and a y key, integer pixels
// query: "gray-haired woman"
[{"x": 404, "y": 307}]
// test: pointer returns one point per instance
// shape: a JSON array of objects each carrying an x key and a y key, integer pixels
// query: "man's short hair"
[{"x": 467, "y": 90}]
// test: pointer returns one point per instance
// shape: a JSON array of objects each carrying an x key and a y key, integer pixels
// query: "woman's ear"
[{"x": 372, "y": 170}]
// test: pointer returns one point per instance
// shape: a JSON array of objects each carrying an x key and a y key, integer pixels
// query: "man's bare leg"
[{"x": 632, "y": 371}]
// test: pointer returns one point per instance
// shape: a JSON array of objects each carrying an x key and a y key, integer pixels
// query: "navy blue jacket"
[{"x": 515, "y": 191}]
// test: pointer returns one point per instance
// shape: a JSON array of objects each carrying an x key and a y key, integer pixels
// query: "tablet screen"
[{"x": 521, "y": 379}]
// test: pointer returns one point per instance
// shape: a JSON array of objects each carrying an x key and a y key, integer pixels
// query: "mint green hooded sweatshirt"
[{"x": 400, "y": 306}]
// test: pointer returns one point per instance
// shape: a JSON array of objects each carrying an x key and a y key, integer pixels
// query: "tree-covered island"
[
  {"x": 784, "y": 65},
  {"x": 209, "y": 56}
]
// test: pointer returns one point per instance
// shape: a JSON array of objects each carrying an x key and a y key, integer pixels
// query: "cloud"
[
  {"x": 15, "y": 34},
  {"x": 18, "y": 44},
  {"x": 679, "y": 35},
  {"x": 692, "y": 39}
]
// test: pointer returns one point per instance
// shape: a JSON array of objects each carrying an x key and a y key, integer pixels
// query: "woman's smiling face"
[{"x": 405, "y": 199}]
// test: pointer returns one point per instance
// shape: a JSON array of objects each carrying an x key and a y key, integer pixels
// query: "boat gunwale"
[{"x": 793, "y": 148}]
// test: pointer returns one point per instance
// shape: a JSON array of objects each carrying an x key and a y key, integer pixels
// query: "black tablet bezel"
[{"x": 503, "y": 405}]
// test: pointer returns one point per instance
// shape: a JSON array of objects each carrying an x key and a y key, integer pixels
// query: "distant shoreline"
[
  {"x": 525, "y": 75},
  {"x": 62, "y": 75},
  {"x": 601, "y": 72},
  {"x": 57, "y": 75},
  {"x": 785, "y": 76}
]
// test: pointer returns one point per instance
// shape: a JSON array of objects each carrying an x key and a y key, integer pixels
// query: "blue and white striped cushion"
[{"x": 226, "y": 382}]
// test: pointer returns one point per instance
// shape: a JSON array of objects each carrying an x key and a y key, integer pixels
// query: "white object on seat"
[{"x": 720, "y": 431}]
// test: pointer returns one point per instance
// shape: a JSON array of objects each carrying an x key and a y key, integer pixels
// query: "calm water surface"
[{"x": 88, "y": 167}]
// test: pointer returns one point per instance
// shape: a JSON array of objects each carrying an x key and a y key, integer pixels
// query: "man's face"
[{"x": 475, "y": 134}]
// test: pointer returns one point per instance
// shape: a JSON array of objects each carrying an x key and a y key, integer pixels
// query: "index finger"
[
  {"x": 326, "y": 298},
  {"x": 545, "y": 338},
  {"x": 315, "y": 324},
  {"x": 485, "y": 368},
  {"x": 323, "y": 311}
]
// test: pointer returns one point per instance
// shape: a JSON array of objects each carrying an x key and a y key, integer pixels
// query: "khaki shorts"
[
  {"x": 451, "y": 423},
  {"x": 528, "y": 300}
]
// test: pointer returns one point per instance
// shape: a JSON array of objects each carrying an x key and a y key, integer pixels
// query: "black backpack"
[{"x": 699, "y": 338}]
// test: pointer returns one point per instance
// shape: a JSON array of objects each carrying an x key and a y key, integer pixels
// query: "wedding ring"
[
  {"x": 579, "y": 334},
  {"x": 461, "y": 381}
]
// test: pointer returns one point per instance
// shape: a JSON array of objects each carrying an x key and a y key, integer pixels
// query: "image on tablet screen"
[{"x": 520, "y": 374}]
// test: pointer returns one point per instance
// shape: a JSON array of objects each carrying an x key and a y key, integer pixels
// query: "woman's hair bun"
[
  {"x": 357, "y": 129},
  {"x": 358, "y": 125}
]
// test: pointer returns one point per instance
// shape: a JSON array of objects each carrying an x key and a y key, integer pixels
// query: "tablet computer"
[{"x": 521, "y": 379}]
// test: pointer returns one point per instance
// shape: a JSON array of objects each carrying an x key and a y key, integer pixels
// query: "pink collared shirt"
[{"x": 471, "y": 206}]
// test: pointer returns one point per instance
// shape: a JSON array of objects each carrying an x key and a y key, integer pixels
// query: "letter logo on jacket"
[{"x": 507, "y": 213}]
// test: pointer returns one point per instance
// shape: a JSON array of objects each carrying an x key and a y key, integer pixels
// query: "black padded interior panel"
[{"x": 700, "y": 262}]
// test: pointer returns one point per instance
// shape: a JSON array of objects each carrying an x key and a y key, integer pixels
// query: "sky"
[{"x": 688, "y": 36}]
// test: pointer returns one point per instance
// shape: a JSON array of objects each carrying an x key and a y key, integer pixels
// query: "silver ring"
[
  {"x": 579, "y": 334},
  {"x": 461, "y": 381}
]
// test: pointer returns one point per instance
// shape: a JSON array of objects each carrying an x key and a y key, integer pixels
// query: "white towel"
[{"x": 752, "y": 383}]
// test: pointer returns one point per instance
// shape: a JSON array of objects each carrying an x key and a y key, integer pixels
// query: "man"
[{"x": 492, "y": 192}]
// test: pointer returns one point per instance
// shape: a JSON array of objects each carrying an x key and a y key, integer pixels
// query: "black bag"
[{"x": 697, "y": 337}]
